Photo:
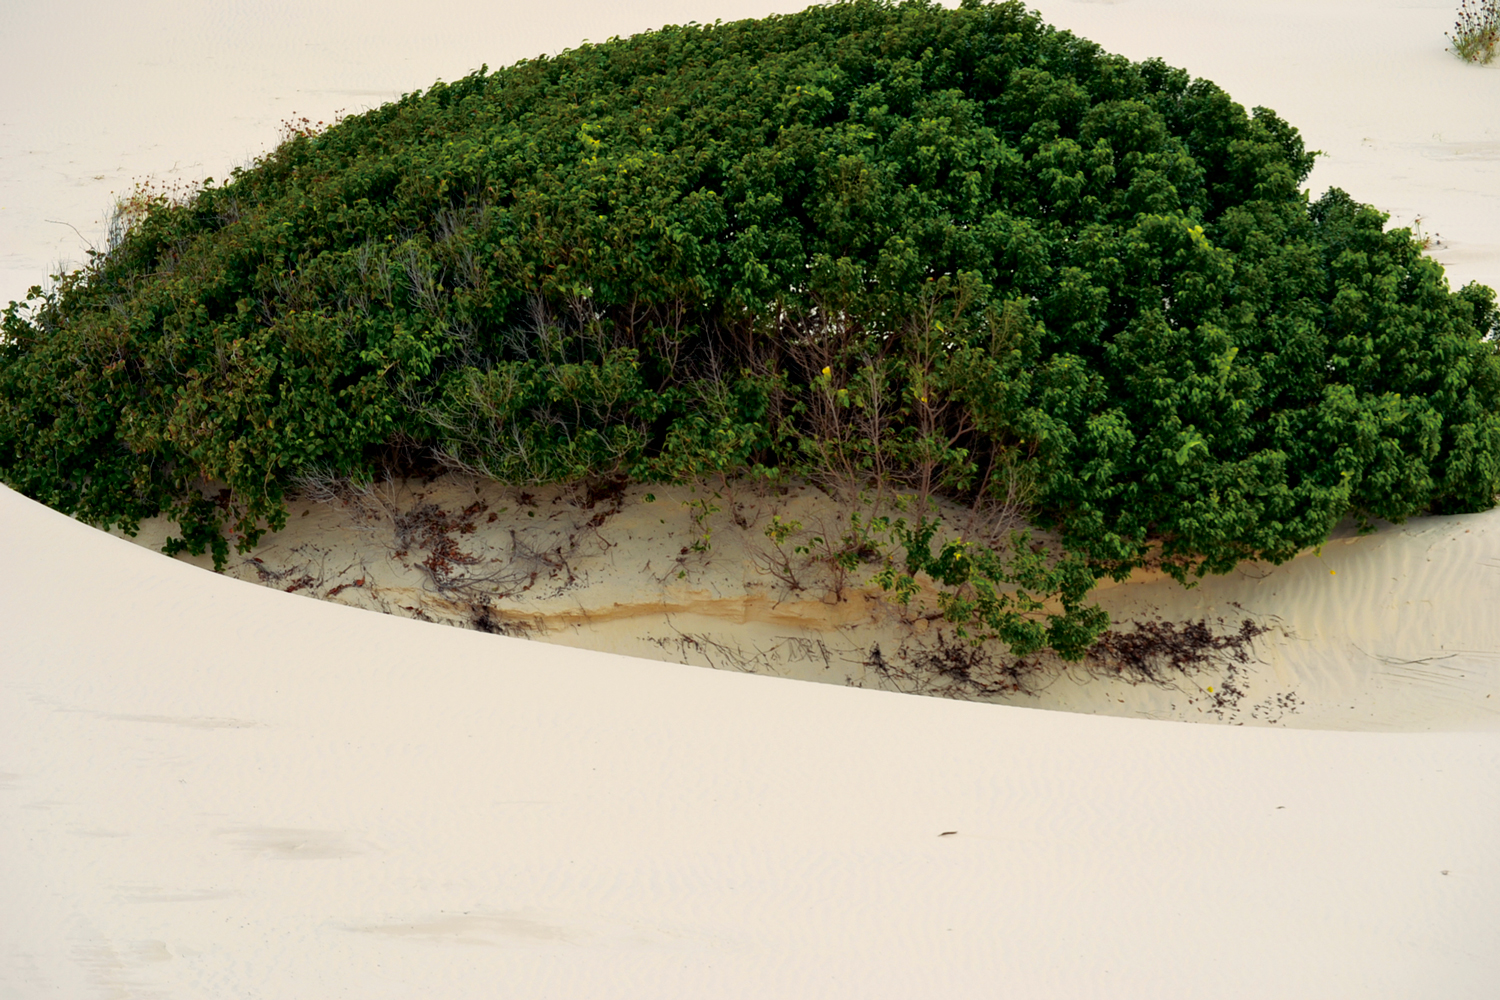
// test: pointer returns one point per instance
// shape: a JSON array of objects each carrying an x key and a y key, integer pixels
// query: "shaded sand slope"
[
  {"x": 1387, "y": 631},
  {"x": 1392, "y": 630},
  {"x": 214, "y": 790}
]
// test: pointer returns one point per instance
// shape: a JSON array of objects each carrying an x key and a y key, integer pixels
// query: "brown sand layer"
[{"x": 1385, "y": 631}]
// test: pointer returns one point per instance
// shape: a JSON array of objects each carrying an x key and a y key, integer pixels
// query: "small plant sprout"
[
  {"x": 701, "y": 510},
  {"x": 1476, "y": 33}
]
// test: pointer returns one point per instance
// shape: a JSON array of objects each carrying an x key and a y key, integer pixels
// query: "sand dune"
[{"x": 213, "y": 789}]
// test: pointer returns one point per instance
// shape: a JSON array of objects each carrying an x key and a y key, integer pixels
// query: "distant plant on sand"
[{"x": 1476, "y": 33}]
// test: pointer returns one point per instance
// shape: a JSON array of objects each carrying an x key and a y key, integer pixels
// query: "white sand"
[
  {"x": 211, "y": 789},
  {"x": 217, "y": 790}
]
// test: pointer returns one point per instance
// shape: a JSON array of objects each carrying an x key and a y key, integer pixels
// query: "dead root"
[{"x": 1157, "y": 652}]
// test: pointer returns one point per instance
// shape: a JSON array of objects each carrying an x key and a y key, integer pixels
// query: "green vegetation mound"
[{"x": 889, "y": 247}]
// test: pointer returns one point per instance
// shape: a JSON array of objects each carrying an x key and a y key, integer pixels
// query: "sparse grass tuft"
[{"x": 1476, "y": 33}]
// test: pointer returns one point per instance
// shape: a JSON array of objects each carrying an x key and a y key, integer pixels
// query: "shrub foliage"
[{"x": 944, "y": 250}]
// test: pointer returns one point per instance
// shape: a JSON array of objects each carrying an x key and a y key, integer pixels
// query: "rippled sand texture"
[{"x": 1392, "y": 630}]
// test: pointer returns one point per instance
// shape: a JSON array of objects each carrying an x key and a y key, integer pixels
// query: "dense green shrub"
[{"x": 884, "y": 245}]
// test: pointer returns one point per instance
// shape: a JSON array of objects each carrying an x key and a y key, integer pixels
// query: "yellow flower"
[{"x": 827, "y": 371}]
